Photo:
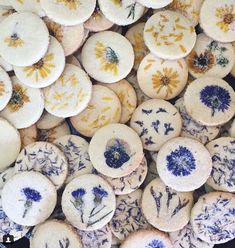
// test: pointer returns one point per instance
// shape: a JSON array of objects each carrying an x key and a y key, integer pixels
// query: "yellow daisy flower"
[
  {"x": 14, "y": 41},
  {"x": 2, "y": 88},
  {"x": 227, "y": 16},
  {"x": 71, "y": 4}
]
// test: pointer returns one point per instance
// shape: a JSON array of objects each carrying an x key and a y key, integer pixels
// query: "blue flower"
[
  {"x": 99, "y": 193},
  {"x": 78, "y": 193},
  {"x": 216, "y": 98},
  {"x": 181, "y": 162},
  {"x": 32, "y": 194},
  {"x": 156, "y": 244}
]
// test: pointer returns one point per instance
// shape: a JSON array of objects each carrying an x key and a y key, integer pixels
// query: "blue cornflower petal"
[
  {"x": 32, "y": 194},
  {"x": 78, "y": 193}
]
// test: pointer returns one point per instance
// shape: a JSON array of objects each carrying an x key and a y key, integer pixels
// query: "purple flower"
[
  {"x": 99, "y": 193},
  {"x": 156, "y": 244},
  {"x": 78, "y": 193},
  {"x": 32, "y": 194}
]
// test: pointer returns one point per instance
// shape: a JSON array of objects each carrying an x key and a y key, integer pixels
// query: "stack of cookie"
[{"x": 117, "y": 124}]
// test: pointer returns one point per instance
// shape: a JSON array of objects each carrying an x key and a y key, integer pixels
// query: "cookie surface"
[
  {"x": 5, "y": 89},
  {"x": 155, "y": 4}
]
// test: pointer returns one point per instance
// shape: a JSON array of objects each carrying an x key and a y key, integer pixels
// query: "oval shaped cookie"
[{"x": 5, "y": 89}]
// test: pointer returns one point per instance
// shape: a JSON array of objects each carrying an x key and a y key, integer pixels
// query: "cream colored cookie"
[
  {"x": 28, "y": 135},
  {"x": 48, "y": 121},
  {"x": 5, "y": 89},
  {"x": 154, "y": 4}
]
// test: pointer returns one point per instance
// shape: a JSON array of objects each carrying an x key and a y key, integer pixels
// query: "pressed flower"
[
  {"x": 156, "y": 244},
  {"x": 14, "y": 41},
  {"x": 2, "y": 88},
  {"x": 78, "y": 201},
  {"x": 99, "y": 194},
  {"x": 117, "y": 2},
  {"x": 78, "y": 193},
  {"x": 71, "y": 4},
  {"x": 226, "y": 15},
  {"x": 180, "y": 5}
]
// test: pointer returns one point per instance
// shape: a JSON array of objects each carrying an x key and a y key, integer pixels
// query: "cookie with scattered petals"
[
  {"x": 48, "y": 121},
  {"x": 5, "y": 89},
  {"x": 28, "y": 135}
]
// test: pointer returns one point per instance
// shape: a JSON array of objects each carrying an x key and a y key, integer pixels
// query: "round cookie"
[
  {"x": 88, "y": 202},
  {"x": 104, "y": 108},
  {"x": 194, "y": 130},
  {"x": 25, "y": 106},
  {"x": 5, "y": 65},
  {"x": 147, "y": 239},
  {"x": 115, "y": 150},
  {"x": 5, "y": 176},
  {"x": 210, "y": 58},
  {"x": 135, "y": 35},
  {"x": 10, "y": 144},
  {"x": 186, "y": 236},
  {"x": 217, "y": 19},
  {"x": 154, "y": 4},
  {"x": 212, "y": 217},
  {"x": 5, "y": 89},
  {"x": 70, "y": 94},
  {"x": 101, "y": 238},
  {"x": 68, "y": 13},
  {"x": 121, "y": 12},
  {"x": 184, "y": 164},
  {"x": 222, "y": 151},
  {"x": 48, "y": 121},
  {"x": 53, "y": 234},
  {"x": 19, "y": 44},
  {"x": 127, "y": 97},
  {"x": 162, "y": 79},
  {"x": 165, "y": 208},
  {"x": 34, "y": 198},
  {"x": 28, "y": 135},
  {"x": 128, "y": 216},
  {"x": 156, "y": 121},
  {"x": 75, "y": 150},
  {"x": 169, "y": 35},
  {"x": 47, "y": 70},
  {"x": 64, "y": 33},
  {"x": 45, "y": 158},
  {"x": 107, "y": 57},
  {"x": 210, "y": 101}
]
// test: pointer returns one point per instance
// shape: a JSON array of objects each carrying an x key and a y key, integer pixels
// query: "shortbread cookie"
[
  {"x": 10, "y": 144},
  {"x": 47, "y": 70},
  {"x": 6, "y": 175},
  {"x": 25, "y": 106},
  {"x": 222, "y": 151},
  {"x": 217, "y": 19},
  {"x": 210, "y": 101},
  {"x": 44, "y": 158},
  {"x": 103, "y": 109},
  {"x": 210, "y": 58},
  {"x": 184, "y": 164},
  {"x": 192, "y": 129},
  {"x": 34, "y": 198},
  {"x": 28, "y": 135},
  {"x": 156, "y": 121},
  {"x": 128, "y": 216},
  {"x": 70, "y": 94},
  {"x": 53, "y": 234},
  {"x": 5, "y": 89},
  {"x": 5, "y": 65},
  {"x": 155, "y": 4},
  {"x": 165, "y": 208},
  {"x": 162, "y": 79},
  {"x": 75, "y": 149},
  {"x": 107, "y": 57},
  {"x": 212, "y": 217},
  {"x": 169, "y": 35},
  {"x": 115, "y": 150},
  {"x": 88, "y": 202},
  {"x": 19, "y": 43},
  {"x": 48, "y": 121},
  {"x": 68, "y": 13}
]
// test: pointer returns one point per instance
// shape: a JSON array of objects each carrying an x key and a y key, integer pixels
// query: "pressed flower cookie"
[
  {"x": 210, "y": 58},
  {"x": 88, "y": 202},
  {"x": 10, "y": 144},
  {"x": 192, "y": 129},
  {"x": 107, "y": 57},
  {"x": 67, "y": 12},
  {"x": 48, "y": 121},
  {"x": 210, "y": 101},
  {"x": 45, "y": 158},
  {"x": 5, "y": 89},
  {"x": 24, "y": 39},
  {"x": 121, "y": 12},
  {"x": 165, "y": 208},
  {"x": 103, "y": 109},
  {"x": 28, "y": 135},
  {"x": 115, "y": 150},
  {"x": 184, "y": 164},
  {"x": 64, "y": 33},
  {"x": 169, "y": 35},
  {"x": 127, "y": 97},
  {"x": 212, "y": 217},
  {"x": 25, "y": 106},
  {"x": 47, "y": 70},
  {"x": 70, "y": 94},
  {"x": 28, "y": 198},
  {"x": 128, "y": 216},
  {"x": 53, "y": 234},
  {"x": 75, "y": 149},
  {"x": 156, "y": 121},
  {"x": 162, "y": 79},
  {"x": 217, "y": 19},
  {"x": 154, "y": 4},
  {"x": 222, "y": 151}
]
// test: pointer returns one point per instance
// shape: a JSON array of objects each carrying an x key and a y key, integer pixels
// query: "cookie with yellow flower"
[
  {"x": 5, "y": 89},
  {"x": 25, "y": 106},
  {"x": 217, "y": 19},
  {"x": 107, "y": 57},
  {"x": 47, "y": 70},
  {"x": 162, "y": 79},
  {"x": 154, "y": 4}
]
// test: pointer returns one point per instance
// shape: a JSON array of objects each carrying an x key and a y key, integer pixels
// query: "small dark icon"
[{"x": 8, "y": 239}]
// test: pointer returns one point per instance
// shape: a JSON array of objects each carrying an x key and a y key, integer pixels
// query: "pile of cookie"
[{"x": 117, "y": 126}]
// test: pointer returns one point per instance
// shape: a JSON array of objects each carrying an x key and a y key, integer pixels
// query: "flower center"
[
  {"x": 165, "y": 80},
  {"x": 14, "y": 36},
  {"x": 39, "y": 64},
  {"x": 116, "y": 155},
  {"x": 16, "y": 98},
  {"x": 203, "y": 61},
  {"x": 228, "y": 18},
  {"x": 111, "y": 56}
]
